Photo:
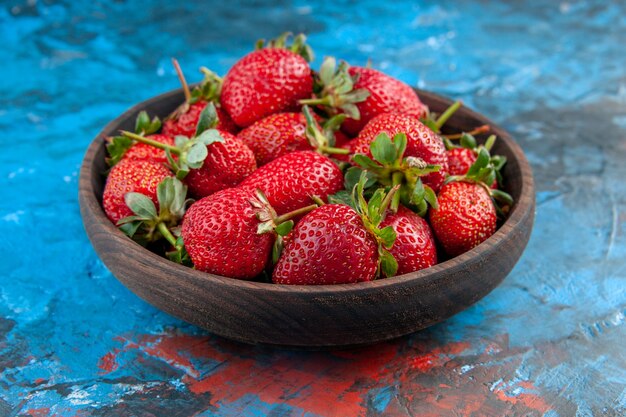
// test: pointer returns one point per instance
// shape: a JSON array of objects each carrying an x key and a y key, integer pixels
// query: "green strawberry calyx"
[
  {"x": 372, "y": 214},
  {"x": 190, "y": 152},
  {"x": 323, "y": 140},
  {"x": 334, "y": 90},
  {"x": 389, "y": 167},
  {"x": 209, "y": 89},
  {"x": 298, "y": 45},
  {"x": 118, "y": 145},
  {"x": 468, "y": 141},
  {"x": 270, "y": 222},
  {"x": 147, "y": 224},
  {"x": 483, "y": 172}
]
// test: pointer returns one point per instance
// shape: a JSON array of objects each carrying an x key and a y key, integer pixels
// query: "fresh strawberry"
[
  {"x": 122, "y": 147},
  {"x": 466, "y": 217},
  {"x": 184, "y": 119},
  {"x": 143, "y": 152},
  {"x": 209, "y": 161},
  {"x": 422, "y": 143},
  {"x": 461, "y": 158},
  {"x": 131, "y": 176},
  {"x": 338, "y": 244},
  {"x": 232, "y": 232},
  {"x": 467, "y": 212},
  {"x": 267, "y": 81},
  {"x": 414, "y": 248},
  {"x": 291, "y": 180}
]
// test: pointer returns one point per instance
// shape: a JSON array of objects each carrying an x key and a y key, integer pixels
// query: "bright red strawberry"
[
  {"x": 461, "y": 158},
  {"x": 330, "y": 245},
  {"x": 422, "y": 143},
  {"x": 131, "y": 176},
  {"x": 143, "y": 152},
  {"x": 226, "y": 165},
  {"x": 276, "y": 135},
  {"x": 466, "y": 216},
  {"x": 291, "y": 180},
  {"x": 414, "y": 248},
  {"x": 184, "y": 123},
  {"x": 232, "y": 232},
  {"x": 264, "y": 82},
  {"x": 220, "y": 235},
  {"x": 387, "y": 95}
]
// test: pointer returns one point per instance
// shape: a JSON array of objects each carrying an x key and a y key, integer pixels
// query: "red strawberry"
[
  {"x": 276, "y": 135},
  {"x": 466, "y": 217},
  {"x": 131, "y": 176},
  {"x": 387, "y": 95},
  {"x": 184, "y": 123},
  {"x": 422, "y": 143},
  {"x": 414, "y": 248},
  {"x": 330, "y": 245},
  {"x": 231, "y": 232},
  {"x": 460, "y": 159},
  {"x": 265, "y": 82},
  {"x": 143, "y": 152},
  {"x": 291, "y": 180},
  {"x": 226, "y": 165}
]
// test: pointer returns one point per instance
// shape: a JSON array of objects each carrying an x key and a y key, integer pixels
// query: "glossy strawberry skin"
[
  {"x": 329, "y": 245},
  {"x": 289, "y": 181},
  {"x": 460, "y": 160},
  {"x": 227, "y": 164},
  {"x": 144, "y": 152},
  {"x": 220, "y": 235},
  {"x": 421, "y": 142},
  {"x": 265, "y": 82},
  {"x": 414, "y": 248},
  {"x": 275, "y": 136},
  {"x": 465, "y": 218},
  {"x": 185, "y": 124},
  {"x": 131, "y": 176},
  {"x": 387, "y": 95}
]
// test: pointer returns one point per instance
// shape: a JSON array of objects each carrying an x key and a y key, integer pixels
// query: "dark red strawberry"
[
  {"x": 131, "y": 176},
  {"x": 291, "y": 180},
  {"x": 387, "y": 95},
  {"x": 338, "y": 244},
  {"x": 184, "y": 119},
  {"x": 466, "y": 217},
  {"x": 209, "y": 161},
  {"x": 422, "y": 143},
  {"x": 267, "y": 81},
  {"x": 232, "y": 232},
  {"x": 414, "y": 248},
  {"x": 143, "y": 152}
]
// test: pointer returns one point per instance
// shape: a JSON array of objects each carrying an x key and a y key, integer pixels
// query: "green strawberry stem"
[
  {"x": 396, "y": 181},
  {"x": 317, "y": 200},
  {"x": 476, "y": 131},
  {"x": 443, "y": 118},
  {"x": 333, "y": 150},
  {"x": 165, "y": 232},
  {"x": 321, "y": 101},
  {"x": 181, "y": 77},
  {"x": 147, "y": 141},
  {"x": 288, "y": 216}
]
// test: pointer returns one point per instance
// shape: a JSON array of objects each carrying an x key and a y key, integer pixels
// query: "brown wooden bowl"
[{"x": 311, "y": 316}]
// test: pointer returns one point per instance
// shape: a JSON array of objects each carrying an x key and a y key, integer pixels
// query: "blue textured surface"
[{"x": 549, "y": 341}]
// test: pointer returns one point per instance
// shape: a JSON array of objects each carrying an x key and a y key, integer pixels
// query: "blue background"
[{"x": 73, "y": 341}]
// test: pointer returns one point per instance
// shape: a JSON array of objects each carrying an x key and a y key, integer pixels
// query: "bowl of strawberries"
[{"x": 308, "y": 208}]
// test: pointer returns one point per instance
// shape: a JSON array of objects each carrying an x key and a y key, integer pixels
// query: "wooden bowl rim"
[{"x": 429, "y": 275}]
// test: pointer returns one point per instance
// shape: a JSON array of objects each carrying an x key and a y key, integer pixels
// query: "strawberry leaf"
[
  {"x": 353, "y": 175},
  {"x": 207, "y": 119},
  {"x": 400, "y": 142},
  {"x": 387, "y": 236},
  {"x": 383, "y": 149},
  {"x": 341, "y": 197},
  {"x": 117, "y": 147},
  {"x": 468, "y": 141},
  {"x": 374, "y": 207},
  {"x": 141, "y": 205},
  {"x": 388, "y": 263},
  {"x": 142, "y": 123},
  {"x": 130, "y": 228},
  {"x": 283, "y": 229},
  {"x": 364, "y": 161},
  {"x": 196, "y": 155},
  {"x": 431, "y": 197}
]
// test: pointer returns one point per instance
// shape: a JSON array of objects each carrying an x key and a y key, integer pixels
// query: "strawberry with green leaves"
[
  {"x": 233, "y": 232},
  {"x": 337, "y": 244},
  {"x": 131, "y": 176},
  {"x": 290, "y": 180},
  {"x": 390, "y": 166},
  {"x": 122, "y": 147},
  {"x": 269, "y": 80},
  {"x": 467, "y": 212},
  {"x": 282, "y": 133},
  {"x": 184, "y": 119},
  {"x": 461, "y": 157},
  {"x": 422, "y": 143},
  {"x": 211, "y": 160}
]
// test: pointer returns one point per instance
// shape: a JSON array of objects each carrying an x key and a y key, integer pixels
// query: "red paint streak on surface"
[
  {"x": 427, "y": 379},
  {"x": 38, "y": 412}
]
